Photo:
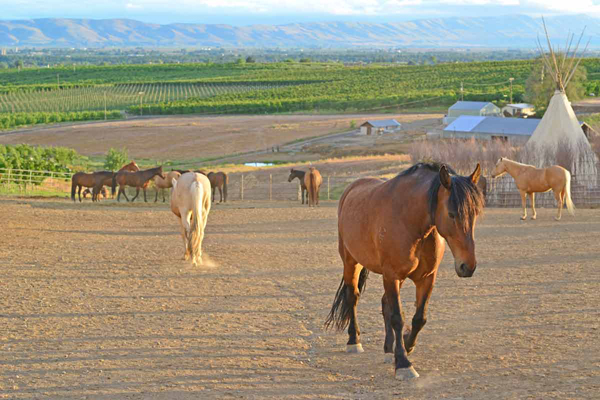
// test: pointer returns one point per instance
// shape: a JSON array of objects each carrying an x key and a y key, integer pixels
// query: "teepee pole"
[
  {"x": 553, "y": 55},
  {"x": 546, "y": 61},
  {"x": 577, "y": 65},
  {"x": 574, "y": 57}
]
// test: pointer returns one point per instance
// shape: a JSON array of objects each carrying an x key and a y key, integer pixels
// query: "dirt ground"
[
  {"x": 96, "y": 304},
  {"x": 196, "y": 137}
]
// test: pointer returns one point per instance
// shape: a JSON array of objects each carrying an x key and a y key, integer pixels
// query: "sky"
[{"x": 249, "y": 12}]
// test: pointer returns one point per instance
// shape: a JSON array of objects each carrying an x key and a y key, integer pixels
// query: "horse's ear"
[
  {"x": 445, "y": 177},
  {"x": 476, "y": 174}
]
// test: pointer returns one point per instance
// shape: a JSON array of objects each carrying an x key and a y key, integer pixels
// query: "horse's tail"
[
  {"x": 196, "y": 224},
  {"x": 568, "y": 201},
  {"x": 113, "y": 185},
  {"x": 341, "y": 310},
  {"x": 73, "y": 187},
  {"x": 312, "y": 191}
]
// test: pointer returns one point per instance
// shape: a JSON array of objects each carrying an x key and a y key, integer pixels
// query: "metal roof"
[
  {"x": 521, "y": 105},
  {"x": 493, "y": 125},
  {"x": 382, "y": 123},
  {"x": 470, "y": 105}
]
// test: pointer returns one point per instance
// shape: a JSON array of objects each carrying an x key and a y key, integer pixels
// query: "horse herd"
[
  {"x": 397, "y": 228},
  {"x": 131, "y": 175}
]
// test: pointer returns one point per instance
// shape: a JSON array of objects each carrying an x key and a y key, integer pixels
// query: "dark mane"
[{"x": 466, "y": 199}]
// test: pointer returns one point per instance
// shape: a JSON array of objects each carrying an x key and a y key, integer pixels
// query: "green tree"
[
  {"x": 540, "y": 85},
  {"x": 250, "y": 59},
  {"x": 115, "y": 159}
]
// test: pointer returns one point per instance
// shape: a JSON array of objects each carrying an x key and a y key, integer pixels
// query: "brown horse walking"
[
  {"x": 131, "y": 167},
  {"x": 138, "y": 179},
  {"x": 531, "y": 180},
  {"x": 396, "y": 228},
  {"x": 296, "y": 173},
  {"x": 312, "y": 181},
  {"x": 218, "y": 180},
  {"x": 91, "y": 180}
]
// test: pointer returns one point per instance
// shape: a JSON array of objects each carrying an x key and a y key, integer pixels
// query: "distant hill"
[{"x": 516, "y": 31}]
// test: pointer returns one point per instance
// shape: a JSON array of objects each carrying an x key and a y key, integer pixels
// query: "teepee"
[{"x": 559, "y": 131}]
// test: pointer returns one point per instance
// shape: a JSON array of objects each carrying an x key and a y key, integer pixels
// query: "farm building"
[
  {"x": 519, "y": 110},
  {"x": 514, "y": 130},
  {"x": 379, "y": 126},
  {"x": 475, "y": 108}
]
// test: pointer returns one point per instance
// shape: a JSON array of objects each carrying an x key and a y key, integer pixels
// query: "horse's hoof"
[
  {"x": 405, "y": 374},
  {"x": 388, "y": 358},
  {"x": 523, "y": 218},
  {"x": 557, "y": 218},
  {"x": 534, "y": 217},
  {"x": 354, "y": 348}
]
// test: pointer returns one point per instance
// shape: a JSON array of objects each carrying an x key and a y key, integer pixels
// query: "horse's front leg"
[
  {"x": 137, "y": 193},
  {"x": 156, "y": 196},
  {"x": 390, "y": 338},
  {"x": 424, "y": 288},
  {"x": 404, "y": 368},
  {"x": 122, "y": 190},
  {"x": 145, "y": 200},
  {"x": 532, "y": 198},
  {"x": 220, "y": 195},
  {"x": 524, "y": 204}
]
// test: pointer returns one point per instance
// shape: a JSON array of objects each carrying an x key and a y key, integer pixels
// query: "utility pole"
[
  {"x": 462, "y": 97},
  {"x": 141, "y": 96},
  {"x": 511, "y": 81}
]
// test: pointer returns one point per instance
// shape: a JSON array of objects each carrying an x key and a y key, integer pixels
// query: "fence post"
[
  {"x": 242, "y": 188},
  {"x": 270, "y": 187},
  {"x": 328, "y": 195},
  {"x": 30, "y": 181}
]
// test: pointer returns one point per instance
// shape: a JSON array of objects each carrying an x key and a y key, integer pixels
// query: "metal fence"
[{"x": 30, "y": 182}]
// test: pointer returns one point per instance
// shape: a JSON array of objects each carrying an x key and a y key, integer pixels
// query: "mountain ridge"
[{"x": 509, "y": 31}]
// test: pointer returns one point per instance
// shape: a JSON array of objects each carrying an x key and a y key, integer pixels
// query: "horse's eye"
[{"x": 451, "y": 215}]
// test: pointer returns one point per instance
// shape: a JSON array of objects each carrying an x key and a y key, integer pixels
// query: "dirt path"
[{"x": 95, "y": 303}]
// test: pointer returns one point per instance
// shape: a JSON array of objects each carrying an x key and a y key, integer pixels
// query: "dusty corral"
[
  {"x": 196, "y": 137},
  {"x": 97, "y": 304}
]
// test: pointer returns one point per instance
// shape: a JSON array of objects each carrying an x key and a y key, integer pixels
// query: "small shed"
[
  {"x": 522, "y": 110},
  {"x": 513, "y": 130},
  {"x": 474, "y": 108},
  {"x": 379, "y": 126}
]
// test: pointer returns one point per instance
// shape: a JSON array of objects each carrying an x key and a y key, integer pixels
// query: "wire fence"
[
  {"x": 265, "y": 186},
  {"x": 503, "y": 192}
]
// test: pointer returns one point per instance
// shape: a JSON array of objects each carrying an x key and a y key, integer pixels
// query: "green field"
[{"x": 262, "y": 88}]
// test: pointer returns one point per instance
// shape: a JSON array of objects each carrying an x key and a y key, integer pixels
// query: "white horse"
[{"x": 190, "y": 202}]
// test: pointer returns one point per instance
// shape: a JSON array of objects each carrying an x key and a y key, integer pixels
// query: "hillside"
[{"x": 502, "y": 31}]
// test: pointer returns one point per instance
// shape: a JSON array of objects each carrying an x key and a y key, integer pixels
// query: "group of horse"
[
  {"x": 131, "y": 175},
  {"x": 397, "y": 228}
]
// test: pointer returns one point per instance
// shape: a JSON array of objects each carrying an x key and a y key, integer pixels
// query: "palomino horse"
[
  {"x": 395, "y": 228},
  {"x": 138, "y": 179},
  {"x": 531, "y": 180},
  {"x": 312, "y": 181},
  {"x": 190, "y": 202},
  {"x": 218, "y": 180},
  {"x": 296, "y": 173},
  {"x": 162, "y": 184}
]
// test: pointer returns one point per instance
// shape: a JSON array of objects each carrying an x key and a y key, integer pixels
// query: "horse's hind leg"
[
  {"x": 404, "y": 368},
  {"x": 186, "y": 255},
  {"x": 79, "y": 192},
  {"x": 137, "y": 193},
  {"x": 353, "y": 280},
  {"x": 560, "y": 199}
]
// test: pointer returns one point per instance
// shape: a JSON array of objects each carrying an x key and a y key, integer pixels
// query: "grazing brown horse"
[
  {"x": 312, "y": 181},
  {"x": 396, "y": 228},
  {"x": 131, "y": 167},
  {"x": 138, "y": 179},
  {"x": 162, "y": 184},
  {"x": 296, "y": 173},
  {"x": 218, "y": 180},
  {"x": 531, "y": 180}
]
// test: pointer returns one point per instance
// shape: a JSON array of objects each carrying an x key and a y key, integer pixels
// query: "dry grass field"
[
  {"x": 194, "y": 137},
  {"x": 96, "y": 304}
]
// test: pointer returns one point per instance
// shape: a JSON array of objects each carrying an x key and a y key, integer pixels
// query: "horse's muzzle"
[{"x": 464, "y": 271}]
